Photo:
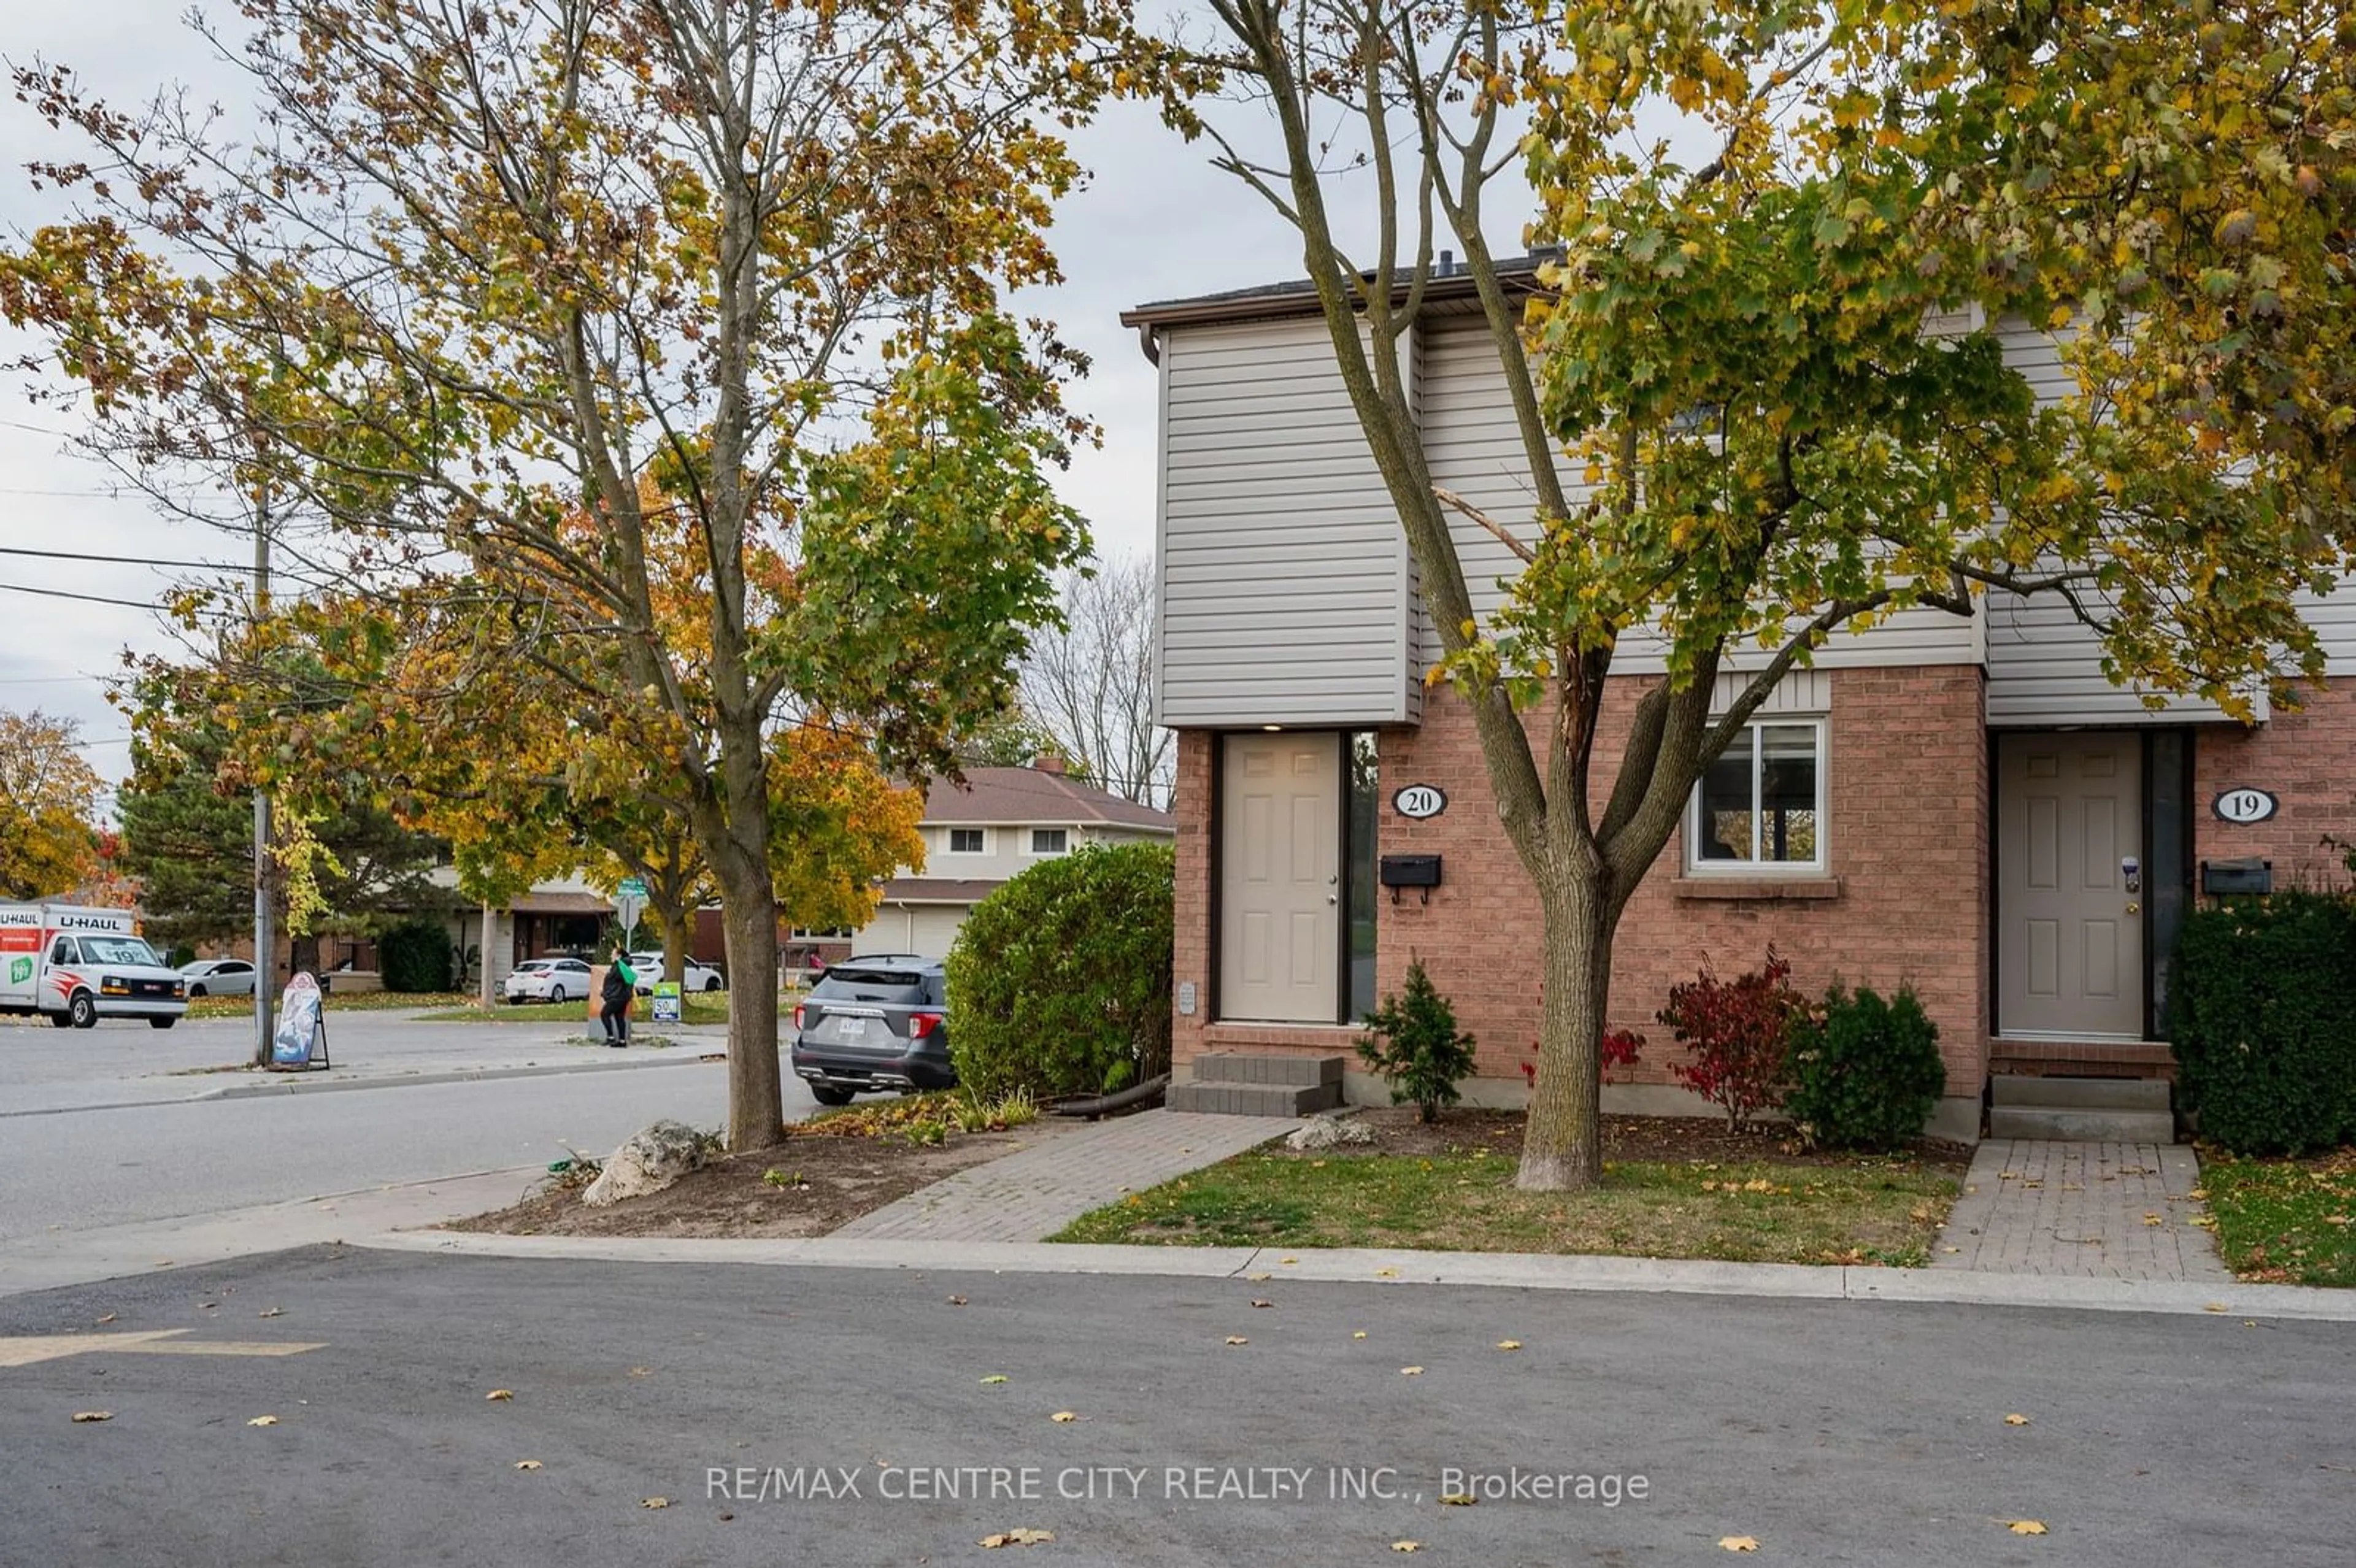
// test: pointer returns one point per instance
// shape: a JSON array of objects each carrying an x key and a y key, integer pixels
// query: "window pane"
[
  {"x": 1787, "y": 793},
  {"x": 1047, "y": 840},
  {"x": 965, "y": 840},
  {"x": 1365, "y": 794},
  {"x": 1724, "y": 829}
]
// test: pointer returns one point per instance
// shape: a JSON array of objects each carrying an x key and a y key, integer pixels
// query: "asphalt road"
[
  {"x": 1831, "y": 1432},
  {"x": 97, "y": 1127}
]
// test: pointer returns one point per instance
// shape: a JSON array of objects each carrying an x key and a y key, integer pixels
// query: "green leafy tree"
[
  {"x": 484, "y": 271},
  {"x": 1417, "y": 1048},
  {"x": 48, "y": 805},
  {"x": 1757, "y": 385}
]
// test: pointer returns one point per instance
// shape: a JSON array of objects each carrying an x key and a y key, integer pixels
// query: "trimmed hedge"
[
  {"x": 416, "y": 955},
  {"x": 2262, "y": 1016},
  {"x": 1865, "y": 1073},
  {"x": 1059, "y": 981}
]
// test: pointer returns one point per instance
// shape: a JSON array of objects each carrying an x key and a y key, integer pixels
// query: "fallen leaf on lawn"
[
  {"x": 1509, "y": 1344},
  {"x": 87, "y": 1417},
  {"x": 994, "y": 1378},
  {"x": 1739, "y": 1542},
  {"x": 957, "y": 1301},
  {"x": 1358, "y": 1333},
  {"x": 1063, "y": 1416},
  {"x": 2025, "y": 1527},
  {"x": 2016, "y": 1420},
  {"x": 654, "y": 1502},
  {"x": 1410, "y": 1371},
  {"x": 272, "y": 1312},
  {"x": 2198, "y": 1193},
  {"x": 1237, "y": 1339},
  {"x": 1258, "y": 1302},
  {"x": 1458, "y": 1499},
  {"x": 1758, "y": 1185},
  {"x": 500, "y": 1393},
  {"x": 1018, "y": 1538},
  {"x": 110, "y": 1317},
  {"x": 526, "y": 1464},
  {"x": 1407, "y": 1546},
  {"x": 264, "y": 1421}
]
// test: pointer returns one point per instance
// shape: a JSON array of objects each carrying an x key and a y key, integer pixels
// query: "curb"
[
  {"x": 291, "y": 1084},
  {"x": 1520, "y": 1270}
]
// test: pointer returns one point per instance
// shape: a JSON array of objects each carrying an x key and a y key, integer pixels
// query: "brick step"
[
  {"x": 1226, "y": 1098},
  {"x": 1270, "y": 1067},
  {"x": 2065, "y": 1126},
  {"x": 2058, "y": 1093}
]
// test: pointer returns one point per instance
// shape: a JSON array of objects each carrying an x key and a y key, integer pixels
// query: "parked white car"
[
  {"x": 548, "y": 980},
  {"x": 218, "y": 977},
  {"x": 698, "y": 977}
]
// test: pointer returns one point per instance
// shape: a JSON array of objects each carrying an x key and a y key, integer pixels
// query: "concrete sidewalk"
[{"x": 1031, "y": 1194}]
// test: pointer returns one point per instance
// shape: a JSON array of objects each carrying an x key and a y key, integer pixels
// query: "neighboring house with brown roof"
[{"x": 997, "y": 825}]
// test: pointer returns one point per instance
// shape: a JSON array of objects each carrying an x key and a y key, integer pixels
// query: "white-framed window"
[
  {"x": 1760, "y": 808},
  {"x": 968, "y": 841},
  {"x": 1050, "y": 840}
]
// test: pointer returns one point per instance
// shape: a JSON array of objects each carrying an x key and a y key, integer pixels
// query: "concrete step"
[
  {"x": 2061, "y": 1093},
  {"x": 2085, "y": 1127},
  {"x": 1232, "y": 1099},
  {"x": 1268, "y": 1067}
]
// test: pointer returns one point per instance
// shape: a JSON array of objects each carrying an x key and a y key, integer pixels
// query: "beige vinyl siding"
[
  {"x": 1475, "y": 449},
  {"x": 1284, "y": 582},
  {"x": 2044, "y": 664}
]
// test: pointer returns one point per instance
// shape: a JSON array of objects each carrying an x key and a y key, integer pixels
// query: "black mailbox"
[
  {"x": 2245, "y": 876},
  {"x": 1410, "y": 871}
]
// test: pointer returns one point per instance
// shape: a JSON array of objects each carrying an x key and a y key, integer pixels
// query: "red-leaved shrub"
[{"x": 1737, "y": 1031}]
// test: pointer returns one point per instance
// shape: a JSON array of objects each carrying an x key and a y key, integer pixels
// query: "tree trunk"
[
  {"x": 1561, "y": 1149},
  {"x": 674, "y": 918},
  {"x": 756, "y": 1113}
]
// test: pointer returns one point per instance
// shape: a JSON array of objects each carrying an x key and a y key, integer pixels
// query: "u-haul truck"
[{"x": 75, "y": 966}]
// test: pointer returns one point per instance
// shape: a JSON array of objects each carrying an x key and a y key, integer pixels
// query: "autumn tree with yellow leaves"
[
  {"x": 49, "y": 807},
  {"x": 463, "y": 273},
  {"x": 1757, "y": 381}
]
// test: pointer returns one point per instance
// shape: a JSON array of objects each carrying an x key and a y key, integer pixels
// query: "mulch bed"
[
  {"x": 1702, "y": 1139},
  {"x": 823, "y": 1184}
]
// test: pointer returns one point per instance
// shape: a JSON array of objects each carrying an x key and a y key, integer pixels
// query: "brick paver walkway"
[
  {"x": 1030, "y": 1194},
  {"x": 2105, "y": 1211}
]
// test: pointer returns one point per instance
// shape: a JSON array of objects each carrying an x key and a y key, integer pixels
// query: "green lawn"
[
  {"x": 338, "y": 1001},
  {"x": 699, "y": 1009},
  {"x": 1870, "y": 1211},
  {"x": 2284, "y": 1221}
]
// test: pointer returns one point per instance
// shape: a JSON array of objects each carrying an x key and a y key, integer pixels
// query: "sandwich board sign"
[
  {"x": 300, "y": 1041},
  {"x": 666, "y": 1002}
]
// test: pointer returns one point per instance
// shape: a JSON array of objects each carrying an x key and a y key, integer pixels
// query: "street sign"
[{"x": 629, "y": 903}]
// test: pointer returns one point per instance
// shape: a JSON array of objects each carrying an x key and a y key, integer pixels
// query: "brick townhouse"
[{"x": 1966, "y": 806}]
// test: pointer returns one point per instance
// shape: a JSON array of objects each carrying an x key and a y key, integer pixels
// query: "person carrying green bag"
[{"x": 621, "y": 989}]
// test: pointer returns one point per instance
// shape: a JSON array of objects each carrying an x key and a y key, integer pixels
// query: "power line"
[
  {"x": 127, "y": 560},
  {"x": 85, "y": 598}
]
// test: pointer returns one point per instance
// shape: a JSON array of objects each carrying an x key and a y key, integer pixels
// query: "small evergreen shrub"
[
  {"x": 416, "y": 955},
  {"x": 1865, "y": 1073},
  {"x": 1737, "y": 1032},
  {"x": 2262, "y": 1016},
  {"x": 1059, "y": 981},
  {"x": 1416, "y": 1047}
]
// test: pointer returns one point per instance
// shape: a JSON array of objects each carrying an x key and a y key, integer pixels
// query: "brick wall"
[
  {"x": 2306, "y": 760},
  {"x": 1191, "y": 954},
  {"x": 1906, "y": 830}
]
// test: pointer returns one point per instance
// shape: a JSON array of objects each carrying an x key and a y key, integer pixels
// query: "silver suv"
[{"x": 875, "y": 1023}]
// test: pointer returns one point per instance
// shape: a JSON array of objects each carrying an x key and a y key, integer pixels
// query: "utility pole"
[{"x": 265, "y": 939}]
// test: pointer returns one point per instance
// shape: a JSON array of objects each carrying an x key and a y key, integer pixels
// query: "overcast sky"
[{"x": 1154, "y": 222}]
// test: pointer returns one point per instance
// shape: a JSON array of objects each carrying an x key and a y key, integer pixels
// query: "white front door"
[
  {"x": 2069, "y": 922},
  {"x": 1280, "y": 877}
]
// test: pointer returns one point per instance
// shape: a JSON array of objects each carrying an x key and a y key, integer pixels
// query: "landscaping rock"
[
  {"x": 1325, "y": 1132},
  {"x": 651, "y": 1159}
]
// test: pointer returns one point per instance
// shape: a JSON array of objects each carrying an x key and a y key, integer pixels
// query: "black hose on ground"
[{"x": 1136, "y": 1094}]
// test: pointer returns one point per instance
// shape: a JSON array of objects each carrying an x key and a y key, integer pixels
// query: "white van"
[{"x": 75, "y": 966}]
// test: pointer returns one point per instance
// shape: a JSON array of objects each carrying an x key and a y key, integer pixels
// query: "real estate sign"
[{"x": 666, "y": 1002}]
